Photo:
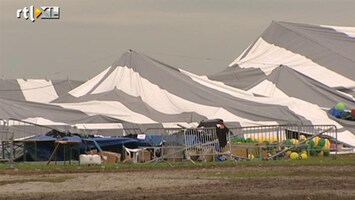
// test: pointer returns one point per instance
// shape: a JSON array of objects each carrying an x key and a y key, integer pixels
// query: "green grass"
[
  {"x": 284, "y": 172},
  {"x": 6, "y": 168},
  {"x": 39, "y": 179}
]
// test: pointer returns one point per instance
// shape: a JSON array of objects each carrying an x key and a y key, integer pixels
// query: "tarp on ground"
[{"x": 40, "y": 148}]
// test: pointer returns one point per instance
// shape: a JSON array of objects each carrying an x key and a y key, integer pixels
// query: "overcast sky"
[{"x": 201, "y": 36}]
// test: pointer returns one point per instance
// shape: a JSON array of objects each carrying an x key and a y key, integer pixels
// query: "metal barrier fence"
[
  {"x": 4, "y": 138},
  {"x": 181, "y": 144},
  {"x": 178, "y": 144},
  {"x": 3, "y": 130},
  {"x": 14, "y": 134},
  {"x": 201, "y": 144},
  {"x": 171, "y": 143},
  {"x": 21, "y": 130},
  {"x": 265, "y": 142},
  {"x": 12, "y": 145}
]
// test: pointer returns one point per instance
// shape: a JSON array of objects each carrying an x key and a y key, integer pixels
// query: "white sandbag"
[{"x": 89, "y": 159}]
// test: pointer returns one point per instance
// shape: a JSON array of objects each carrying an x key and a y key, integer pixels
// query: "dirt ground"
[{"x": 239, "y": 182}]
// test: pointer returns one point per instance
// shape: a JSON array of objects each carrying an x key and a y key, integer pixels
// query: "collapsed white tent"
[
  {"x": 36, "y": 90},
  {"x": 345, "y": 128},
  {"x": 313, "y": 63},
  {"x": 322, "y": 53},
  {"x": 139, "y": 89},
  {"x": 285, "y": 82},
  {"x": 47, "y": 114}
]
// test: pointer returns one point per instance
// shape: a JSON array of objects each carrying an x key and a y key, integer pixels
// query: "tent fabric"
[
  {"x": 137, "y": 89},
  {"x": 313, "y": 63},
  {"x": 323, "y": 53},
  {"x": 135, "y": 104},
  {"x": 286, "y": 82},
  {"x": 237, "y": 77},
  {"x": 296, "y": 104},
  {"x": 140, "y": 89},
  {"x": 36, "y": 90},
  {"x": 40, "y": 113},
  {"x": 350, "y": 125},
  {"x": 44, "y": 146}
]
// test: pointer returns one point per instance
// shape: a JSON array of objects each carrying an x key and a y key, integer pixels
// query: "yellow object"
[
  {"x": 261, "y": 139},
  {"x": 320, "y": 153},
  {"x": 294, "y": 155},
  {"x": 302, "y": 137},
  {"x": 288, "y": 153},
  {"x": 294, "y": 141},
  {"x": 316, "y": 141},
  {"x": 304, "y": 156},
  {"x": 251, "y": 156},
  {"x": 327, "y": 145},
  {"x": 38, "y": 12},
  {"x": 273, "y": 139}
]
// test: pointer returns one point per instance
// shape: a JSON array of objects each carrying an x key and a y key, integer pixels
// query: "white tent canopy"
[
  {"x": 322, "y": 53},
  {"x": 36, "y": 90},
  {"x": 139, "y": 89}
]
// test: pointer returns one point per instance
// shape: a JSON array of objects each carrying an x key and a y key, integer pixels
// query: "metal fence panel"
[
  {"x": 172, "y": 143},
  {"x": 4, "y": 138},
  {"x": 264, "y": 141},
  {"x": 179, "y": 144},
  {"x": 22, "y": 130},
  {"x": 201, "y": 144},
  {"x": 196, "y": 144}
]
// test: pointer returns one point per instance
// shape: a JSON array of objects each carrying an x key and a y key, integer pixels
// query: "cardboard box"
[
  {"x": 173, "y": 154},
  {"x": 110, "y": 157},
  {"x": 246, "y": 149},
  {"x": 107, "y": 156},
  {"x": 201, "y": 153},
  {"x": 144, "y": 156}
]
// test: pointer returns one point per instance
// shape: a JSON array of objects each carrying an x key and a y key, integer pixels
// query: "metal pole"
[
  {"x": 11, "y": 146},
  {"x": 336, "y": 141}
]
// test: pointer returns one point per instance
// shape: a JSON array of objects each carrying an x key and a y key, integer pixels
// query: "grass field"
[
  {"x": 315, "y": 178},
  {"x": 7, "y": 168}
]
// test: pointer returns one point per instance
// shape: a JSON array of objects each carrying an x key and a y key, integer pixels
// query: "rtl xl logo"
[{"x": 42, "y": 12}]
